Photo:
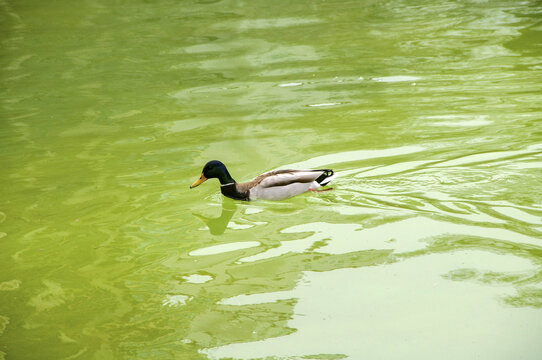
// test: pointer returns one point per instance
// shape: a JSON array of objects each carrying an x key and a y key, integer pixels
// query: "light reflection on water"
[
  {"x": 355, "y": 311},
  {"x": 428, "y": 246}
]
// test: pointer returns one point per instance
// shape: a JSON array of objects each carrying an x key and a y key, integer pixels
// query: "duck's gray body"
[{"x": 282, "y": 184}]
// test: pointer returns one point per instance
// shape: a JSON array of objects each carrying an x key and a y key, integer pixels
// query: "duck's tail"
[{"x": 326, "y": 177}]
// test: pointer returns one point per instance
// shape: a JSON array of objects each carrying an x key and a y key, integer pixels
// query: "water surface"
[{"x": 429, "y": 246}]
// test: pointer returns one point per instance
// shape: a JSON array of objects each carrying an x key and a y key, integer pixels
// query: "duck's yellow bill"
[{"x": 201, "y": 179}]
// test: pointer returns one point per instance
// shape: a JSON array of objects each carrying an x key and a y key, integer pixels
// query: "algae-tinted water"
[{"x": 429, "y": 246}]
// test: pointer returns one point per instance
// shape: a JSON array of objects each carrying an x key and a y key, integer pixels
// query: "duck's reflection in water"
[{"x": 218, "y": 225}]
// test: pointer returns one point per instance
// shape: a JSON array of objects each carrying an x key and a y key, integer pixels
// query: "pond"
[{"x": 429, "y": 246}]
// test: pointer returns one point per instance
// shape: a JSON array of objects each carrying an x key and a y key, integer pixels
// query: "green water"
[{"x": 429, "y": 246}]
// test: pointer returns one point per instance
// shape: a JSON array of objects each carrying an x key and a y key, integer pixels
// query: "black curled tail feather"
[{"x": 322, "y": 178}]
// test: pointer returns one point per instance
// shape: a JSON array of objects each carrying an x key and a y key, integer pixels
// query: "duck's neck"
[{"x": 225, "y": 177}]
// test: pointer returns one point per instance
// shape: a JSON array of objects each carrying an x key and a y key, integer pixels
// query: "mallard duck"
[{"x": 273, "y": 185}]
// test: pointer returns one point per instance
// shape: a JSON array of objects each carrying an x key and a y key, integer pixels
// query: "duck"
[{"x": 272, "y": 185}]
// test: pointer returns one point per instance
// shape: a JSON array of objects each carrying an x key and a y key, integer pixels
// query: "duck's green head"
[{"x": 214, "y": 169}]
